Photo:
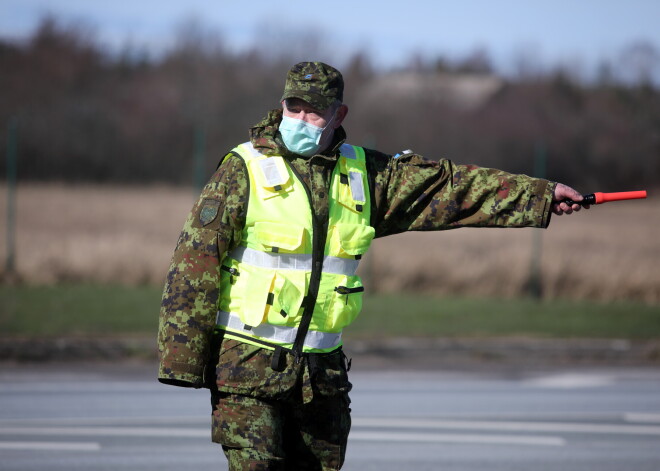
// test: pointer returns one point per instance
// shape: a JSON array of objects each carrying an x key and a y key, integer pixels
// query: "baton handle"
[{"x": 598, "y": 198}]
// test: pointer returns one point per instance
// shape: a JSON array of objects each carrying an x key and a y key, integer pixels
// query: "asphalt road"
[{"x": 117, "y": 417}]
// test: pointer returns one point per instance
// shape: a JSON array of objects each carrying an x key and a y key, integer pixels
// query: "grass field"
[
  {"x": 125, "y": 235},
  {"x": 78, "y": 309}
]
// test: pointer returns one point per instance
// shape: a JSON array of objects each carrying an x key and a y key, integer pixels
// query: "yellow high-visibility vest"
[{"x": 292, "y": 283}]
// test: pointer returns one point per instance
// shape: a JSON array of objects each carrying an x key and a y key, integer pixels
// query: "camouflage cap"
[{"x": 315, "y": 82}]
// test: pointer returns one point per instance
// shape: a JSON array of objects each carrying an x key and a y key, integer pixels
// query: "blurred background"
[{"x": 114, "y": 114}]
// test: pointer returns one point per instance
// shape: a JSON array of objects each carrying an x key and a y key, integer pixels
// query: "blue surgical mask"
[{"x": 301, "y": 137}]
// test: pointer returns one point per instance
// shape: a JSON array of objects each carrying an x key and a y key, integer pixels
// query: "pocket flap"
[
  {"x": 354, "y": 239},
  {"x": 288, "y": 297},
  {"x": 285, "y": 236},
  {"x": 254, "y": 309}
]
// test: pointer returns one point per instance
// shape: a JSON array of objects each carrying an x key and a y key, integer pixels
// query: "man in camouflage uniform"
[{"x": 282, "y": 413}]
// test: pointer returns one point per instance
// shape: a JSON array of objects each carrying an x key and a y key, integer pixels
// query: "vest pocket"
[
  {"x": 351, "y": 240},
  {"x": 274, "y": 237},
  {"x": 245, "y": 291},
  {"x": 256, "y": 285},
  {"x": 285, "y": 297},
  {"x": 345, "y": 302},
  {"x": 259, "y": 295},
  {"x": 272, "y": 176}
]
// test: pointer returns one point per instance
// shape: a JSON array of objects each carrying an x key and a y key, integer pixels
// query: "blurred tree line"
[{"x": 86, "y": 115}]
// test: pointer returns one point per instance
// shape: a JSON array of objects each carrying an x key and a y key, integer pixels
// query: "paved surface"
[{"x": 116, "y": 417}]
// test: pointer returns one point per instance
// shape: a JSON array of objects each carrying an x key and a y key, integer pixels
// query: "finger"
[
  {"x": 569, "y": 208},
  {"x": 575, "y": 195}
]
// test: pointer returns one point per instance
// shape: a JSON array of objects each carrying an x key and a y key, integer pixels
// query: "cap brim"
[{"x": 317, "y": 101}]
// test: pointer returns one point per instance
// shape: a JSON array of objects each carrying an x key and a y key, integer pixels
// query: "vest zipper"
[{"x": 318, "y": 245}]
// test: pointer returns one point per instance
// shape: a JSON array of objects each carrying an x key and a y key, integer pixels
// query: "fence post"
[
  {"x": 199, "y": 160},
  {"x": 12, "y": 165},
  {"x": 534, "y": 282}
]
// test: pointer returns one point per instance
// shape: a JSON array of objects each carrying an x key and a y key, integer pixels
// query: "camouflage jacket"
[{"x": 409, "y": 193}]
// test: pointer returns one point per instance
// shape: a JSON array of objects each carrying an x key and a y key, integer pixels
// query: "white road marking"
[
  {"x": 570, "y": 381},
  {"x": 396, "y": 430},
  {"x": 456, "y": 438},
  {"x": 51, "y": 446},
  {"x": 109, "y": 431},
  {"x": 501, "y": 426},
  {"x": 641, "y": 417},
  {"x": 200, "y": 420}
]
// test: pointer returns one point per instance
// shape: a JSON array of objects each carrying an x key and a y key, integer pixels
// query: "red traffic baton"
[{"x": 598, "y": 198}]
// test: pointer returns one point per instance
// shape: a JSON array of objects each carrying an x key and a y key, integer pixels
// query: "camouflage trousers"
[{"x": 294, "y": 419}]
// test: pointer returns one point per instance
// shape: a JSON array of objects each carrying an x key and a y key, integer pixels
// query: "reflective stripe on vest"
[
  {"x": 284, "y": 261},
  {"x": 280, "y": 334}
]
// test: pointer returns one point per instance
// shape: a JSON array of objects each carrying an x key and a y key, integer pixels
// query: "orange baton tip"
[{"x": 623, "y": 195}]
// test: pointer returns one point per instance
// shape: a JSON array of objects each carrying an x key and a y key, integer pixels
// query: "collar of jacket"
[{"x": 266, "y": 139}]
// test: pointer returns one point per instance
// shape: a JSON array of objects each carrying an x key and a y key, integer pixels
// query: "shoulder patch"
[
  {"x": 209, "y": 211},
  {"x": 402, "y": 153}
]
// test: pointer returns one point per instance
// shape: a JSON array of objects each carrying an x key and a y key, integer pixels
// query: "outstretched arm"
[{"x": 412, "y": 193}]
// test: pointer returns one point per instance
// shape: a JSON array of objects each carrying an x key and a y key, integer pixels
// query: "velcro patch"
[{"x": 209, "y": 211}]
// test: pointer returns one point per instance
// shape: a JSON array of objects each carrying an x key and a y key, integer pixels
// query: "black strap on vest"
[
  {"x": 278, "y": 362},
  {"x": 319, "y": 229}
]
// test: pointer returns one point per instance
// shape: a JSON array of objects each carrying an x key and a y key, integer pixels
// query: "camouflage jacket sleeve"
[
  {"x": 412, "y": 193},
  {"x": 190, "y": 297}
]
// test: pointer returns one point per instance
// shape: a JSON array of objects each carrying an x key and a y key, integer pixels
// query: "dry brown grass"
[
  {"x": 127, "y": 234},
  {"x": 96, "y": 233}
]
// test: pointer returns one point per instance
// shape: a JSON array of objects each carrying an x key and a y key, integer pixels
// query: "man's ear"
[{"x": 341, "y": 113}]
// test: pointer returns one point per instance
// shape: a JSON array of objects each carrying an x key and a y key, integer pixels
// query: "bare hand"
[{"x": 561, "y": 193}]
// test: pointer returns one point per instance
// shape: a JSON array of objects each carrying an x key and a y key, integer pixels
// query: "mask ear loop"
[{"x": 318, "y": 139}]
